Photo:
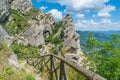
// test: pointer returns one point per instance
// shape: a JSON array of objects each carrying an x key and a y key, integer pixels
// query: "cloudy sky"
[{"x": 87, "y": 14}]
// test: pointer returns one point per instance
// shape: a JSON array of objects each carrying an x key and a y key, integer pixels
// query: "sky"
[{"x": 88, "y": 15}]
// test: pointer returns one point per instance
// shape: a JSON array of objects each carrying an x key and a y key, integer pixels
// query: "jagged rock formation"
[{"x": 59, "y": 37}]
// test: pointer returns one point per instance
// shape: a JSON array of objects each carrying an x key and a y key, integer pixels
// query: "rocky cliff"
[{"x": 34, "y": 27}]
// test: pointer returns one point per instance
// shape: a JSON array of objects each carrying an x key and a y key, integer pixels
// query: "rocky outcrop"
[
  {"x": 69, "y": 27},
  {"x": 42, "y": 24},
  {"x": 24, "y": 5},
  {"x": 48, "y": 22},
  {"x": 71, "y": 40},
  {"x": 35, "y": 34},
  {"x": 4, "y": 9}
]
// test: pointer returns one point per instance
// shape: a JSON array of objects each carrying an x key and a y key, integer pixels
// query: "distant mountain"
[{"x": 99, "y": 35}]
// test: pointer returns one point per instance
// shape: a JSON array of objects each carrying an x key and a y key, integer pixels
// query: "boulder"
[{"x": 13, "y": 61}]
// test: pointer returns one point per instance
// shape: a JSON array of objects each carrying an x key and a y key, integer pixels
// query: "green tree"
[{"x": 106, "y": 56}]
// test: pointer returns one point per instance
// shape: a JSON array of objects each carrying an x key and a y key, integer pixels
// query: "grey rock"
[
  {"x": 69, "y": 27},
  {"x": 70, "y": 44},
  {"x": 48, "y": 28},
  {"x": 5, "y": 37},
  {"x": 13, "y": 61},
  {"x": 49, "y": 19},
  {"x": 24, "y": 5},
  {"x": 72, "y": 57},
  {"x": 4, "y": 9},
  {"x": 34, "y": 35},
  {"x": 3, "y": 34}
]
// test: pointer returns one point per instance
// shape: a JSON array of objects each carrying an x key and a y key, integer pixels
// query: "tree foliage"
[{"x": 106, "y": 56}]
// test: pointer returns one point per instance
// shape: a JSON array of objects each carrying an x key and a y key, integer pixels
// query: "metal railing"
[{"x": 50, "y": 60}]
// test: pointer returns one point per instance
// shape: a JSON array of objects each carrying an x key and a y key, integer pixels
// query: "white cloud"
[
  {"x": 80, "y": 15},
  {"x": 57, "y": 14},
  {"x": 105, "y": 21},
  {"x": 105, "y": 12},
  {"x": 43, "y": 7},
  {"x": 103, "y": 25},
  {"x": 81, "y": 5}
]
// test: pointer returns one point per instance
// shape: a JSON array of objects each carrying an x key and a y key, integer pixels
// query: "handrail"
[
  {"x": 87, "y": 73},
  {"x": 80, "y": 69}
]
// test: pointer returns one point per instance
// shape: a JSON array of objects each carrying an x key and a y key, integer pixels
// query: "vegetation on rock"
[
  {"x": 18, "y": 24},
  {"x": 23, "y": 51}
]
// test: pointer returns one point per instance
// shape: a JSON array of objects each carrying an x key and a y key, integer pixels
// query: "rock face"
[
  {"x": 48, "y": 22},
  {"x": 35, "y": 34},
  {"x": 13, "y": 61},
  {"x": 4, "y": 9},
  {"x": 5, "y": 37},
  {"x": 24, "y": 5},
  {"x": 71, "y": 40}
]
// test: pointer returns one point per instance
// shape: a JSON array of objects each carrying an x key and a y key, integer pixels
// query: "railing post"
[
  {"x": 56, "y": 75},
  {"x": 61, "y": 77},
  {"x": 62, "y": 71},
  {"x": 51, "y": 67}
]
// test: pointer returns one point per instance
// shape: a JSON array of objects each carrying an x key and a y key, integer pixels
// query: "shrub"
[
  {"x": 54, "y": 40},
  {"x": 23, "y": 51}
]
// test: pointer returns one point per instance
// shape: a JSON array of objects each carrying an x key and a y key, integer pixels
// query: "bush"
[
  {"x": 54, "y": 40},
  {"x": 23, "y": 51}
]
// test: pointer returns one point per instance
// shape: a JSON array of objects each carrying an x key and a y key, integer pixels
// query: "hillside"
[{"x": 99, "y": 35}]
